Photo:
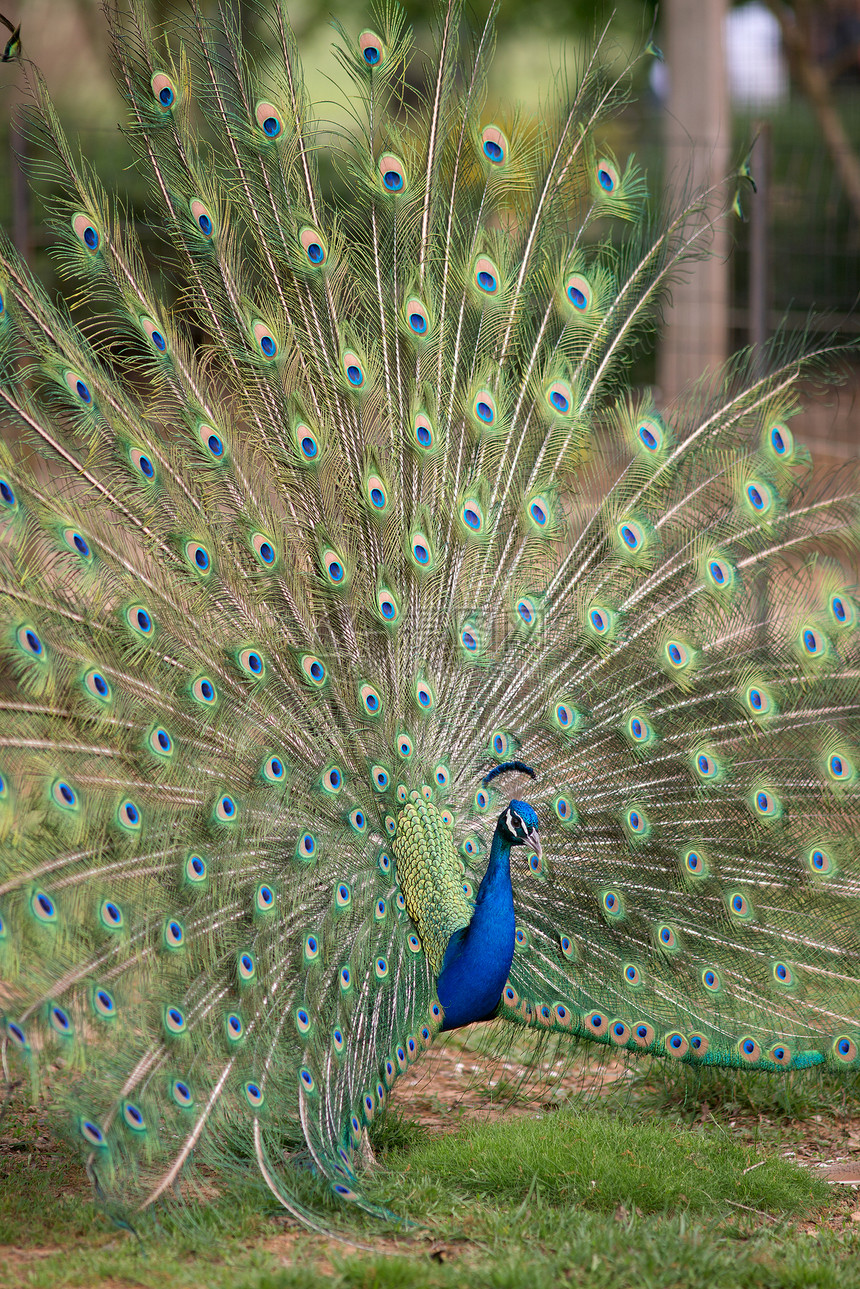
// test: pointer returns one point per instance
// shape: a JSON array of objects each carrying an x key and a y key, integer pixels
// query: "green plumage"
[{"x": 351, "y": 506}]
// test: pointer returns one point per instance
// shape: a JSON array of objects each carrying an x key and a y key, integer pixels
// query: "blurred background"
[{"x": 778, "y": 82}]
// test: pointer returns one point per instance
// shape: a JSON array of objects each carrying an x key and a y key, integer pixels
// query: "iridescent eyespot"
[
  {"x": 711, "y": 979},
  {"x": 677, "y": 654},
  {"x": 780, "y": 1054},
  {"x": 211, "y": 440},
  {"x": 766, "y": 805},
  {"x": 844, "y": 1049},
  {"x": 129, "y": 817},
  {"x": 154, "y": 333},
  {"x": 30, "y": 642},
  {"x": 314, "y": 246},
  {"x": 384, "y": 862},
  {"x": 314, "y": 670},
  {"x": 749, "y": 1050},
  {"x": 565, "y": 810},
  {"x": 579, "y": 293},
  {"x": 164, "y": 91},
  {"x": 92, "y": 1133},
  {"x": 392, "y": 172},
  {"x": 607, "y": 177},
  {"x": 198, "y": 557},
  {"x": 111, "y": 915},
  {"x": 642, "y": 1034},
  {"x": 226, "y": 810},
  {"x": 839, "y": 767},
  {"x": 638, "y": 729},
  {"x": 567, "y": 947},
  {"x": 612, "y": 903},
  {"x": 500, "y": 743},
  {"x": 632, "y": 974},
  {"x": 139, "y": 619},
  {"x": 472, "y": 515},
  {"x": 675, "y": 1044},
  {"x": 234, "y": 1027},
  {"x": 650, "y": 433},
  {"x": 103, "y": 1003},
  {"x": 345, "y": 979},
  {"x": 379, "y": 777},
  {"x": 600, "y": 620},
  {"x": 783, "y": 974},
  {"x": 494, "y": 145},
  {"x": 813, "y": 642},
  {"x": 632, "y": 536},
  {"x": 264, "y": 548},
  {"x": 311, "y": 947},
  {"x": 264, "y": 898},
  {"x": 424, "y": 696},
  {"x": 596, "y": 1023},
  {"x": 636, "y": 820},
  {"x": 720, "y": 574},
  {"x": 266, "y": 342},
  {"x": 820, "y": 862},
  {"x": 269, "y": 120},
  {"x": 64, "y": 795},
  {"x": 781, "y": 441},
  {"x": 486, "y": 276},
  {"x": 370, "y": 700},
  {"x": 422, "y": 428},
  {"x": 694, "y": 863},
  {"x": 440, "y": 775},
  {"x": 705, "y": 765},
  {"x": 619, "y": 1033},
  {"x": 303, "y": 1020},
  {"x": 307, "y": 443},
  {"x": 202, "y": 217},
  {"x": 484, "y": 408},
  {"x": 195, "y": 870},
  {"x": 252, "y": 663},
  {"x": 274, "y": 769},
  {"x": 174, "y": 934},
  {"x": 666, "y": 937},
  {"x": 699, "y": 1044},
  {"x": 371, "y": 49},
  {"x": 417, "y": 317},
  {"x": 759, "y": 497},
  {"x": 307, "y": 846},
  {"x": 87, "y": 232},
  {"x": 181, "y": 1093},
  {"x": 358, "y": 820},
  {"x": 80, "y": 388},
  {"x": 7, "y": 496},
  {"x": 539, "y": 513},
  {"x": 43, "y": 907},
  {"x": 334, "y": 567},
  {"x": 160, "y": 742},
  {"x": 738, "y": 905},
  {"x": 203, "y": 689},
  {"x": 174, "y": 1020},
  {"x": 559, "y": 396},
  {"x": 332, "y": 779},
  {"x": 404, "y": 746}
]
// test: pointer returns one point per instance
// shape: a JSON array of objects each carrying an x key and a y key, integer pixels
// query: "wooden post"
[
  {"x": 759, "y": 264},
  {"x": 698, "y": 143}
]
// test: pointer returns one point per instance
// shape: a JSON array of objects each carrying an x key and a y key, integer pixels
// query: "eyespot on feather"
[
  {"x": 212, "y": 441},
  {"x": 165, "y": 91},
  {"x": 486, "y": 276},
  {"x": 579, "y": 293},
  {"x": 392, "y": 174},
  {"x": 79, "y": 387},
  {"x": 265, "y": 341},
  {"x": 155, "y": 334},
  {"x": 423, "y": 434},
  {"x": 314, "y": 246},
  {"x": 87, "y": 232},
  {"x": 269, "y": 120},
  {"x": 252, "y": 663},
  {"x": 97, "y": 685},
  {"x": 559, "y": 397},
  {"x": 353, "y": 369},
  {"x": 371, "y": 49},
  {"x": 417, "y": 318},
  {"x": 494, "y": 145},
  {"x": 198, "y": 557},
  {"x": 608, "y": 180},
  {"x": 204, "y": 691}
]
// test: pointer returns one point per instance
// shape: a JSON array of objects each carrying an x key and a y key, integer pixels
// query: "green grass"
[{"x": 609, "y": 1196}]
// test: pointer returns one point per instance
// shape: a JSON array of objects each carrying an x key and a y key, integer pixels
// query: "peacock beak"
[{"x": 534, "y": 841}]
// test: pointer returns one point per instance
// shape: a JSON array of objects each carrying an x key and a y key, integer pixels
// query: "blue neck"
[{"x": 478, "y": 958}]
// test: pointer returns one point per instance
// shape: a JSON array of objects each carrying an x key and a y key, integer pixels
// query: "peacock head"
[{"x": 518, "y": 825}]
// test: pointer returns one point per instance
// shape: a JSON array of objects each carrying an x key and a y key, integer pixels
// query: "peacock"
[{"x": 376, "y": 659}]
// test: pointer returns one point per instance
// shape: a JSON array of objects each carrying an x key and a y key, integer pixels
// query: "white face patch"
[{"x": 513, "y": 821}]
